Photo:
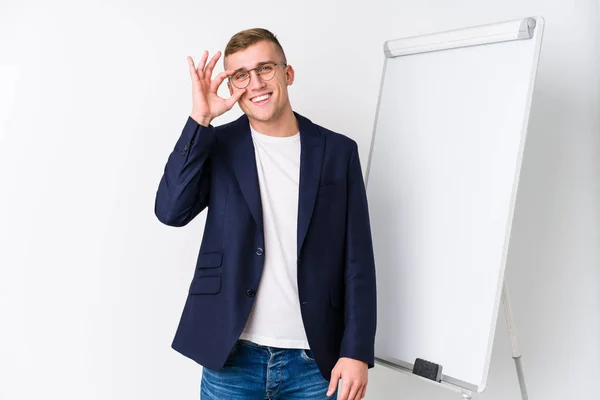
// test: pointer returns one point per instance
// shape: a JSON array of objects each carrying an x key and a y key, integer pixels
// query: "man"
[{"x": 282, "y": 304}]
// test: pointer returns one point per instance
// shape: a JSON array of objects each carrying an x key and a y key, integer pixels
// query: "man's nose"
[{"x": 255, "y": 81}]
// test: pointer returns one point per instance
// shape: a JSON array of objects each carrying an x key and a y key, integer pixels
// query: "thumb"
[{"x": 333, "y": 383}]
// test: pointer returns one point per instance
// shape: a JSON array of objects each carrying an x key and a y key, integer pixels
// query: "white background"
[{"x": 93, "y": 96}]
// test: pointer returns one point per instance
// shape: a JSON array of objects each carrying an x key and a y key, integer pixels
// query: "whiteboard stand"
[
  {"x": 438, "y": 93},
  {"x": 513, "y": 341}
]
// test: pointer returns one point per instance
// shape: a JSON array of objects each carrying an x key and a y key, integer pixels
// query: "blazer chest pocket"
[
  {"x": 329, "y": 188},
  {"x": 206, "y": 285},
  {"x": 328, "y": 197}
]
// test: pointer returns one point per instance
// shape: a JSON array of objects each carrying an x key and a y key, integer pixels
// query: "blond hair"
[{"x": 246, "y": 38}]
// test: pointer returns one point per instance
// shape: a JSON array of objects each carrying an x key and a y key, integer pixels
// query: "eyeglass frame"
[{"x": 257, "y": 74}]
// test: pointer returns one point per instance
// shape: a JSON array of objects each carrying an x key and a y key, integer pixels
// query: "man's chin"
[{"x": 262, "y": 117}]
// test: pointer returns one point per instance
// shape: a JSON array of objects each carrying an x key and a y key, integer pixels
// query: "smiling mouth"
[{"x": 262, "y": 99}]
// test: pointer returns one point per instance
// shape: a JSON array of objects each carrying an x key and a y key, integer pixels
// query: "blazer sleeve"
[
  {"x": 184, "y": 188},
  {"x": 360, "y": 287}
]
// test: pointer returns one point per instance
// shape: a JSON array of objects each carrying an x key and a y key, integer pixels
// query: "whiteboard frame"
[{"x": 529, "y": 28}]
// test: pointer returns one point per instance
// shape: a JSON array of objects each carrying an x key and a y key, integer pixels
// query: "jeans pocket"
[{"x": 307, "y": 355}]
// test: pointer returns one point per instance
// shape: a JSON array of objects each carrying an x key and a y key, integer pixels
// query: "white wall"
[{"x": 92, "y": 98}]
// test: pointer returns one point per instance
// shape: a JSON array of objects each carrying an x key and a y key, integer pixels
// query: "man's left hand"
[{"x": 354, "y": 376}]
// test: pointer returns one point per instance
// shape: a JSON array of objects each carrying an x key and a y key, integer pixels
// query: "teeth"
[{"x": 261, "y": 98}]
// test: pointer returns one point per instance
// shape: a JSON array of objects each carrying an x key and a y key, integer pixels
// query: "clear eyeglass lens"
[{"x": 266, "y": 72}]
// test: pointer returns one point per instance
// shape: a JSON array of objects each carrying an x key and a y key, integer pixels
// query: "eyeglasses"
[{"x": 265, "y": 71}]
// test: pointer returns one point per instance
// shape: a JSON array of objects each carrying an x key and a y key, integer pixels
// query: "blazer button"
[
  {"x": 250, "y": 293},
  {"x": 259, "y": 252}
]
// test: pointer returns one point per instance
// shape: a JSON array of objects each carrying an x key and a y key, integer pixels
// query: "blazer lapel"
[
  {"x": 311, "y": 163},
  {"x": 244, "y": 167}
]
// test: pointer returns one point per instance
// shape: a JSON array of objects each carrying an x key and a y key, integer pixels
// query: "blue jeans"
[{"x": 254, "y": 372}]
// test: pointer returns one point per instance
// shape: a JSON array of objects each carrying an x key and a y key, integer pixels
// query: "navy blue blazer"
[{"x": 215, "y": 168}]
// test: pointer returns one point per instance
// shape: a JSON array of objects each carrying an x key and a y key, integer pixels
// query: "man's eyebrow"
[{"x": 257, "y": 65}]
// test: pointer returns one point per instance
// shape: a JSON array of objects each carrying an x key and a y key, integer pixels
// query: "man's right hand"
[{"x": 207, "y": 105}]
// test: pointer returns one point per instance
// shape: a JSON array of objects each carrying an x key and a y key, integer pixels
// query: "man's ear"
[{"x": 289, "y": 75}]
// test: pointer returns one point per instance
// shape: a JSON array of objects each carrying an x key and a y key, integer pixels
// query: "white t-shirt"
[{"x": 275, "y": 319}]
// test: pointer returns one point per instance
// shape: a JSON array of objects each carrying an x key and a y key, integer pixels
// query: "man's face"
[{"x": 264, "y": 100}]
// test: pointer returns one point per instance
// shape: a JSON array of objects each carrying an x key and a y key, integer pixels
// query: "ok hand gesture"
[{"x": 207, "y": 105}]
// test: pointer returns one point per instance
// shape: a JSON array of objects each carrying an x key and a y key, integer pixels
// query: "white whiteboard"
[{"x": 441, "y": 182}]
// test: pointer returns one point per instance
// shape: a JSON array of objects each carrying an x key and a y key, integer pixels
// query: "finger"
[
  {"x": 214, "y": 85},
  {"x": 344, "y": 391},
  {"x": 211, "y": 65},
  {"x": 354, "y": 391},
  {"x": 364, "y": 392},
  {"x": 333, "y": 383},
  {"x": 192, "y": 68},
  {"x": 235, "y": 98},
  {"x": 202, "y": 64}
]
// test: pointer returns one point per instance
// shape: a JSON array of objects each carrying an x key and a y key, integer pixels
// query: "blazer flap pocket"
[
  {"x": 206, "y": 285},
  {"x": 210, "y": 260}
]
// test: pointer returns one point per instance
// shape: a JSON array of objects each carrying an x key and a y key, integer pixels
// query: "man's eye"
[
  {"x": 241, "y": 76},
  {"x": 266, "y": 68}
]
